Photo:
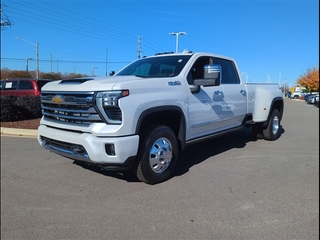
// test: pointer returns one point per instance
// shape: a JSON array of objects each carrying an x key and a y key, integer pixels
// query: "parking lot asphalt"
[{"x": 231, "y": 187}]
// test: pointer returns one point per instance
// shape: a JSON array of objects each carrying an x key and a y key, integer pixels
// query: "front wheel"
[
  {"x": 272, "y": 132},
  {"x": 157, "y": 156}
]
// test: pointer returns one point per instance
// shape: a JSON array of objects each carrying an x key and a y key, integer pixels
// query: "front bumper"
[{"x": 89, "y": 148}]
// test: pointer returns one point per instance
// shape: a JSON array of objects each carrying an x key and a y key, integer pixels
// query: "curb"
[{"x": 19, "y": 132}]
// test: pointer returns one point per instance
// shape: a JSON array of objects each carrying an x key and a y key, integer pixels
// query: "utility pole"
[
  {"x": 37, "y": 60},
  {"x": 107, "y": 62},
  {"x": 27, "y": 63},
  {"x": 93, "y": 71},
  {"x": 139, "y": 46},
  {"x": 37, "y": 54},
  {"x": 51, "y": 63},
  {"x": 279, "y": 78}
]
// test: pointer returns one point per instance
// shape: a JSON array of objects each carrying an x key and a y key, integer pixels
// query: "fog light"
[
  {"x": 110, "y": 150},
  {"x": 77, "y": 149}
]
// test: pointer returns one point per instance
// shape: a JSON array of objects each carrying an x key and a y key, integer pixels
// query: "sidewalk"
[{"x": 19, "y": 132}]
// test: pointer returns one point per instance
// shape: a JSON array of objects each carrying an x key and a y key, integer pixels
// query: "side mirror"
[
  {"x": 112, "y": 73},
  {"x": 212, "y": 76},
  {"x": 212, "y": 71}
]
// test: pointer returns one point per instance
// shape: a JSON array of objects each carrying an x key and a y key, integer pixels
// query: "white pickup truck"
[{"x": 143, "y": 115}]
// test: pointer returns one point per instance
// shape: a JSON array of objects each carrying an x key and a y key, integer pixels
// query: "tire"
[
  {"x": 157, "y": 155},
  {"x": 272, "y": 132},
  {"x": 257, "y": 131},
  {"x": 312, "y": 100}
]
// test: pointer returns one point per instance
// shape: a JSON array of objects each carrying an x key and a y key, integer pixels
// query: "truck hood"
[{"x": 88, "y": 84}]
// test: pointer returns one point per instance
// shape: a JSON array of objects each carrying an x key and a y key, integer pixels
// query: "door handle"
[
  {"x": 243, "y": 92},
  {"x": 218, "y": 93}
]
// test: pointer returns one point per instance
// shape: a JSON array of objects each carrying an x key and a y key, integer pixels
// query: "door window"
[{"x": 229, "y": 75}]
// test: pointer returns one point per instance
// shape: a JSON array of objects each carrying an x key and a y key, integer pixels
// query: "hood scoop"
[{"x": 75, "y": 80}]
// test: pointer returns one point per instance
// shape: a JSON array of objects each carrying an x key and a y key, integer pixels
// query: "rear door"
[
  {"x": 234, "y": 104},
  {"x": 26, "y": 88}
]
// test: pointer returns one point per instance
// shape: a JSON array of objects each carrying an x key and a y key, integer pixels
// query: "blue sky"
[{"x": 271, "y": 40}]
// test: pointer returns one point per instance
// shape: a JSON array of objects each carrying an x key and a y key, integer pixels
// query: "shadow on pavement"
[{"x": 192, "y": 155}]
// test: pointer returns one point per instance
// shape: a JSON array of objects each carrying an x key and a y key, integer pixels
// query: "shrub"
[
  {"x": 8, "y": 111},
  {"x": 15, "y": 108}
]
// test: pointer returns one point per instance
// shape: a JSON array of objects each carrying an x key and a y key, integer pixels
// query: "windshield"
[{"x": 166, "y": 66}]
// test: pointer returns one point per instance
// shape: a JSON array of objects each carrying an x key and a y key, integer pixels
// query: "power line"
[
  {"x": 64, "y": 61},
  {"x": 119, "y": 35},
  {"x": 5, "y": 21},
  {"x": 124, "y": 30},
  {"x": 75, "y": 30}
]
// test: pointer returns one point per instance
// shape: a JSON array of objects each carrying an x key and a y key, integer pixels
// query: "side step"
[{"x": 249, "y": 122}]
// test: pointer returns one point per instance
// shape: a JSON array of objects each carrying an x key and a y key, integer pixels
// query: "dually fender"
[
  {"x": 172, "y": 116},
  {"x": 277, "y": 103}
]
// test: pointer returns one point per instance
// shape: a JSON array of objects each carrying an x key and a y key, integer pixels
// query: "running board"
[{"x": 214, "y": 135}]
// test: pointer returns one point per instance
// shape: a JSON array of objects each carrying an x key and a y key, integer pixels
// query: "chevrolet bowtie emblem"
[{"x": 57, "y": 99}]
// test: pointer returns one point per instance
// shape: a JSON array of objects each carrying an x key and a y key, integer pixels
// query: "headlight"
[
  {"x": 108, "y": 107},
  {"x": 110, "y": 98}
]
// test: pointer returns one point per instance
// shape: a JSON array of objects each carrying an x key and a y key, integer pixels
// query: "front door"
[{"x": 216, "y": 108}]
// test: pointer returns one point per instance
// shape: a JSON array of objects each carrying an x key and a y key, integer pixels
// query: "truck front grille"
[{"x": 69, "y": 107}]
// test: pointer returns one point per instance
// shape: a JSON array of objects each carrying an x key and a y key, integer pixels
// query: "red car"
[{"x": 22, "y": 86}]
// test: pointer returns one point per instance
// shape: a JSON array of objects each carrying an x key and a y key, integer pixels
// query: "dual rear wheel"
[
  {"x": 158, "y": 150},
  {"x": 272, "y": 131}
]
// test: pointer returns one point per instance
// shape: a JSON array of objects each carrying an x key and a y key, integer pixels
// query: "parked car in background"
[
  {"x": 317, "y": 100},
  {"x": 22, "y": 86},
  {"x": 298, "y": 94},
  {"x": 287, "y": 94},
  {"x": 309, "y": 94},
  {"x": 312, "y": 98}
]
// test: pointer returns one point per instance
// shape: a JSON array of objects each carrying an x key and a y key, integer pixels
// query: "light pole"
[
  {"x": 246, "y": 76},
  {"x": 27, "y": 63},
  {"x": 177, "y": 38},
  {"x": 37, "y": 54},
  {"x": 93, "y": 71}
]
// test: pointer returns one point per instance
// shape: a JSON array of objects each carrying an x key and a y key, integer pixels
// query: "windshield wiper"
[
  {"x": 143, "y": 76},
  {"x": 156, "y": 76}
]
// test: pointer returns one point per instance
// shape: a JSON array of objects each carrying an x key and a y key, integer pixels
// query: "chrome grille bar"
[{"x": 69, "y": 107}]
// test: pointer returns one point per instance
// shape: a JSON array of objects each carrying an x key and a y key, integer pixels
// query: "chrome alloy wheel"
[
  {"x": 160, "y": 155},
  {"x": 275, "y": 125}
]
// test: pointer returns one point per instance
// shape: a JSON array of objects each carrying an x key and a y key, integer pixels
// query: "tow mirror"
[{"x": 212, "y": 74}]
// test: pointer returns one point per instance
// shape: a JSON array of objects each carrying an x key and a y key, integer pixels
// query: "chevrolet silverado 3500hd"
[{"x": 143, "y": 115}]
